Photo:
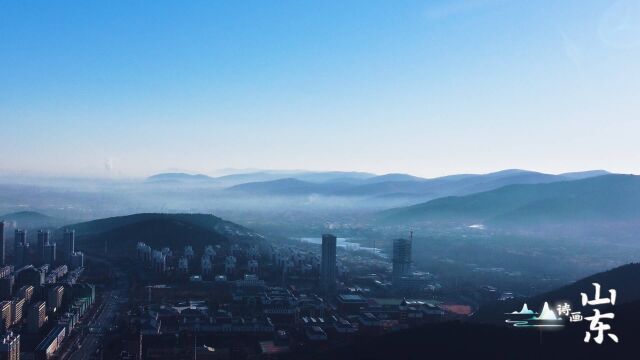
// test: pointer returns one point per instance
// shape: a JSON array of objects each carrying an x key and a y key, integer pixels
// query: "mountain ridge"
[
  {"x": 608, "y": 196},
  {"x": 161, "y": 229}
]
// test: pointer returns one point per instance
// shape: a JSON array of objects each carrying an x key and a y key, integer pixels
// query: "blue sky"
[{"x": 130, "y": 88}]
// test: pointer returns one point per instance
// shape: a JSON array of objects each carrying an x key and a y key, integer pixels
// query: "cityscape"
[{"x": 255, "y": 299}]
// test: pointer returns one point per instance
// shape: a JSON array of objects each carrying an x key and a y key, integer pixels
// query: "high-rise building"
[
  {"x": 6, "y": 270},
  {"x": 50, "y": 344},
  {"x": 37, "y": 316},
  {"x": 77, "y": 260},
  {"x": 328, "y": 264},
  {"x": 50, "y": 254},
  {"x": 20, "y": 237},
  {"x": 21, "y": 248},
  {"x": 5, "y": 314},
  {"x": 16, "y": 310},
  {"x": 26, "y": 293},
  {"x": 69, "y": 244},
  {"x": 43, "y": 240},
  {"x": 6, "y": 286},
  {"x": 401, "y": 260},
  {"x": 54, "y": 298},
  {"x": 10, "y": 346},
  {"x": 2, "y": 247}
]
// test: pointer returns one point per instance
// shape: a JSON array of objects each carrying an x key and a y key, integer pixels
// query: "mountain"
[
  {"x": 31, "y": 220},
  {"x": 613, "y": 198},
  {"x": 261, "y": 176},
  {"x": 178, "y": 177},
  {"x": 159, "y": 230},
  {"x": 390, "y": 185},
  {"x": 584, "y": 174},
  {"x": 287, "y": 187},
  {"x": 387, "y": 190},
  {"x": 392, "y": 177}
]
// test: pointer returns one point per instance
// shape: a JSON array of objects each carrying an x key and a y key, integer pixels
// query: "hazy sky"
[{"x": 129, "y": 88}]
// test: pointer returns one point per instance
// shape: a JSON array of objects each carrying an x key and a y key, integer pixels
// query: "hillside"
[
  {"x": 31, "y": 220},
  {"x": 614, "y": 198},
  {"x": 464, "y": 340},
  {"x": 494, "y": 340},
  {"x": 159, "y": 230},
  {"x": 624, "y": 279}
]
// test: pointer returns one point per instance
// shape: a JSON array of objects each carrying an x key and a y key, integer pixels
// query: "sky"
[{"x": 133, "y": 88}]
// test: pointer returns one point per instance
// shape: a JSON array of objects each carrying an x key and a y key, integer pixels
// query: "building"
[
  {"x": 328, "y": 264},
  {"x": 50, "y": 344},
  {"x": 77, "y": 260},
  {"x": 230, "y": 265},
  {"x": 84, "y": 290},
  {"x": 20, "y": 237},
  {"x": 401, "y": 260},
  {"x": 17, "y": 306},
  {"x": 26, "y": 293},
  {"x": 37, "y": 316},
  {"x": 29, "y": 275},
  {"x": 54, "y": 298},
  {"x": 158, "y": 261},
  {"x": 205, "y": 265},
  {"x": 56, "y": 274},
  {"x": 2, "y": 247},
  {"x": 188, "y": 252},
  {"x": 144, "y": 252},
  {"x": 69, "y": 244},
  {"x": 10, "y": 346},
  {"x": 50, "y": 254},
  {"x": 351, "y": 303},
  {"x": 5, "y": 270},
  {"x": 6, "y": 287},
  {"x": 21, "y": 248},
  {"x": 5, "y": 313},
  {"x": 183, "y": 265},
  {"x": 252, "y": 266},
  {"x": 43, "y": 240}
]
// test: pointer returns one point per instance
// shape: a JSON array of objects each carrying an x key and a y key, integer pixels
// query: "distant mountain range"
[
  {"x": 614, "y": 198},
  {"x": 160, "y": 230},
  {"x": 400, "y": 185},
  {"x": 259, "y": 176}
]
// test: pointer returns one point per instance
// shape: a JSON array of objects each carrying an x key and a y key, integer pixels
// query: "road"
[{"x": 91, "y": 338}]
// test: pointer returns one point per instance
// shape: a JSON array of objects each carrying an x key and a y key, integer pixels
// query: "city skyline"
[{"x": 427, "y": 88}]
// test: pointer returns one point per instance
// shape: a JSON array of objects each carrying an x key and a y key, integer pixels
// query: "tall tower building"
[
  {"x": 37, "y": 317},
  {"x": 401, "y": 260},
  {"x": 21, "y": 248},
  {"x": 50, "y": 254},
  {"x": 328, "y": 263},
  {"x": 20, "y": 237},
  {"x": 2, "y": 250},
  {"x": 43, "y": 240},
  {"x": 69, "y": 244}
]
